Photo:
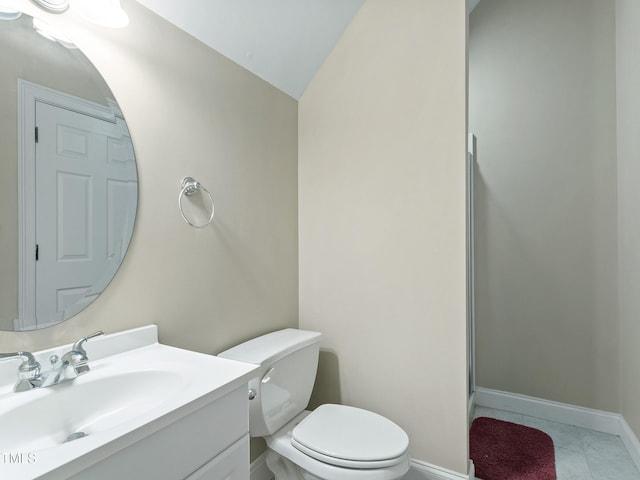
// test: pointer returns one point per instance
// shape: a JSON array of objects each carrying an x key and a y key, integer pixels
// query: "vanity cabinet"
[{"x": 210, "y": 443}]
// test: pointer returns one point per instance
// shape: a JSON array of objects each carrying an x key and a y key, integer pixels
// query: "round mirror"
[{"x": 68, "y": 179}]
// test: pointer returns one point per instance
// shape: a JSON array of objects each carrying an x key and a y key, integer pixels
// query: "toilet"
[{"x": 333, "y": 442}]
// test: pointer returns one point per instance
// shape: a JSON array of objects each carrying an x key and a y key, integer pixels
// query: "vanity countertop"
[{"x": 135, "y": 388}]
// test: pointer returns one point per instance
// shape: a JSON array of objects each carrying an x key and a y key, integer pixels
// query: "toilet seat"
[{"x": 350, "y": 437}]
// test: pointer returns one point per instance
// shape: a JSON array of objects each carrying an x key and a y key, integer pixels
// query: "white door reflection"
[{"x": 85, "y": 200}]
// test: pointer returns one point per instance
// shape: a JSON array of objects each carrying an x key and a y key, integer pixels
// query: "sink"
[
  {"x": 134, "y": 388},
  {"x": 90, "y": 404}
]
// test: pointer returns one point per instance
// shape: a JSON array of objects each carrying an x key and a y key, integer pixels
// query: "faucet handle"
[
  {"x": 77, "y": 347},
  {"x": 28, "y": 369},
  {"x": 77, "y": 358}
]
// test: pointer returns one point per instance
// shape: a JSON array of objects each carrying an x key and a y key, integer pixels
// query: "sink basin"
[
  {"x": 90, "y": 404},
  {"x": 134, "y": 388}
]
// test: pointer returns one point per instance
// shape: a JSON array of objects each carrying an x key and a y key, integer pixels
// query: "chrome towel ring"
[{"x": 189, "y": 187}]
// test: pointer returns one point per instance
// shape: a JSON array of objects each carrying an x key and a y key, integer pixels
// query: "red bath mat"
[{"x": 507, "y": 451}]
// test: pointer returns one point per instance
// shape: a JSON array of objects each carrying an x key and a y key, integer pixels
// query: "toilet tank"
[{"x": 288, "y": 362}]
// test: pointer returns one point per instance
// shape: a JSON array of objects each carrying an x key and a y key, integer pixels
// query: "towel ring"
[{"x": 189, "y": 187}]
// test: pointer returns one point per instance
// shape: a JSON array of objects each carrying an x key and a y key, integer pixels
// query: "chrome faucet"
[{"x": 72, "y": 364}]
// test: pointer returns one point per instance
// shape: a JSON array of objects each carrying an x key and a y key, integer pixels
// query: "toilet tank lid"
[{"x": 272, "y": 346}]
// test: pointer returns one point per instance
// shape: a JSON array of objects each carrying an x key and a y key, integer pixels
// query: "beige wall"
[
  {"x": 628, "y": 79},
  {"x": 382, "y": 191},
  {"x": 25, "y": 54},
  {"x": 382, "y": 220},
  {"x": 193, "y": 112},
  {"x": 542, "y": 104}
]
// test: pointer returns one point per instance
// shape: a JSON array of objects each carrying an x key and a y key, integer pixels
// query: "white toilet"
[{"x": 334, "y": 442}]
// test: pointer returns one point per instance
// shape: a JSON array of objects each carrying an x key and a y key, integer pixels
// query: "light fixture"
[
  {"x": 53, "y": 6},
  {"x": 9, "y": 13},
  {"x": 107, "y": 13}
]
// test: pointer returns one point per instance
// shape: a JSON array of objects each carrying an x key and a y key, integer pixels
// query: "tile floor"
[{"x": 581, "y": 454}]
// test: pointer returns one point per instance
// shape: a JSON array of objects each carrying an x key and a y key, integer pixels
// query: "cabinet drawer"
[{"x": 232, "y": 464}]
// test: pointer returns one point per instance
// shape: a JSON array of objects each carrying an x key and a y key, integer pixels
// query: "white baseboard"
[
  {"x": 548, "y": 410},
  {"x": 425, "y": 471},
  {"x": 418, "y": 471},
  {"x": 259, "y": 469},
  {"x": 606, "y": 422}
]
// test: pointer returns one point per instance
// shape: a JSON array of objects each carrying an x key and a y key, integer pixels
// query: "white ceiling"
[{"x": 282, "y": 41}]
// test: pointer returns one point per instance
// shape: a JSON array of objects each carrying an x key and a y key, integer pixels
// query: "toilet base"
[{"x": 284, "y": 469}]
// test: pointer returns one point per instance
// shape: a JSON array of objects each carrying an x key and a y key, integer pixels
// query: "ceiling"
[{"x": 282, "y": 41}]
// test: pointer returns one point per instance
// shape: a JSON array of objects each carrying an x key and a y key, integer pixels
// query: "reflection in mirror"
[{"x": 68, "y": 181}]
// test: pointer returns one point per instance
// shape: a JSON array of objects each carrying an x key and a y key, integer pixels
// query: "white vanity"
[{"x": 144, "y": 410}]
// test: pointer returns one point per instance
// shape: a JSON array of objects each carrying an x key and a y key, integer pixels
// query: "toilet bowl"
[{"x": 333, "y": 442}]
